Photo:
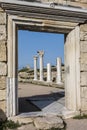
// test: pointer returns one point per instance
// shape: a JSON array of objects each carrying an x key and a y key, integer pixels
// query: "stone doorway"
[{"x": 15, "y": 23}]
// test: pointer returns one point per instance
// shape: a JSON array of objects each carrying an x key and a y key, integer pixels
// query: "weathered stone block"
[
  {"x": 48, "y": 122},
  {"x": 83, "y": 27},
  {"x": 83, "y": 1},
  {"x": 83, "y": 67},
  {"x": 84, "y": 104},
  {"x": 3, "y": 68},
  {"x": 2, "y": 18},
  {"x": 83, "y": 78},
  {"x": 83, "y": 45},
  {"x": 83, "y": 36},
  {"x": 3, "y": 105},
  {"x": 1, "y": 9},
  {"x": 3, "y": 51},
  {"x": 2, "y": 32},
  {"x": 84, "y": 58},
  {"x": 2, "y": 95},
  {"x": 84, "y": 92},
  {"x": 2, "y": 82}
]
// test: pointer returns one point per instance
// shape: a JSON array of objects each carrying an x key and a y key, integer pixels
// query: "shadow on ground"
[{"x": 38, "y": 102}]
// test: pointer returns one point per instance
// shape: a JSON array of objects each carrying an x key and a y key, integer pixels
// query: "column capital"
[
  {"x": 35, "y": 57},
  {"x": 41, "y": 53}
]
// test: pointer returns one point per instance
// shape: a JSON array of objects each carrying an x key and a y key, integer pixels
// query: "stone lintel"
[{"x": 65, "y": 13}]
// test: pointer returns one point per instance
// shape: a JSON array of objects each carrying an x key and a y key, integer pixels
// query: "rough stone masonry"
[{"x": 3, "y": 59}]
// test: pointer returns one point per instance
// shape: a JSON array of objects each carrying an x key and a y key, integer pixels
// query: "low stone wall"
[{"x": 3, "y": 60}]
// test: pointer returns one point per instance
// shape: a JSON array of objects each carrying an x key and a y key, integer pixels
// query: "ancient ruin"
[{"x": 57, "y": 16}]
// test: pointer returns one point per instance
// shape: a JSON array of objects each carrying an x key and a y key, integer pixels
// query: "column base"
[
  {"x": 69, "y": 113},
  {"x": 60, "y": 83},
  {"x": 35, "y": 79}
]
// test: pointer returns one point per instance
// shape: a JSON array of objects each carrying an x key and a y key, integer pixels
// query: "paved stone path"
[{"x": 74, "y": 124}]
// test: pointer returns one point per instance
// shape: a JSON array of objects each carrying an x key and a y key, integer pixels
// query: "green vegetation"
[
  {"x": 9, "y": 124},
  {"x": 84, "y": 116}
]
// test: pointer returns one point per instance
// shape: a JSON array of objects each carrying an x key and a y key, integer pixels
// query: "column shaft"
[
  {"x": 35, "y": 68},
  {"x": 48, "y": 72},
  {"x": 41, "y": 68},
  {"x": 59, "y": 71}
]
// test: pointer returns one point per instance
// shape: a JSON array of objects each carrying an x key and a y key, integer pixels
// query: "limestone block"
[
  {"x": 83, "y": 45},
  {"x": 83, "y": 58},
  {"x": 84, "y": 104},
  {"x": 2, "y": 18},
  {"x": 83, "y": 67},
  {"x": 3, "y": 105},
  {"x": 3, "y": 51},
  {"x": 48, "y": 122},
  {"x": 2, "y": 82},
  {"x": 1, "y": 9},
  {"x": 83, "y": 78},
  {"x": 83, "y": 27},
  {"x": 2, "y": 95},
  {"x": 2, "y": 32},
  {"x": 83, "y": 36},
  {"x": 84, "y": 92},
  {"x": 3, "y": 68},
  {"x": 83, "y": 1}
]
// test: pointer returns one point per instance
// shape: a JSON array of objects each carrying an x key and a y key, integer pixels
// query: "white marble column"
[
  {"x": 59, "y": 71},
  {"x": 35, "y": 68},
  {"x": 48, "y": 72},
  {"x": 41, "y": 54}
]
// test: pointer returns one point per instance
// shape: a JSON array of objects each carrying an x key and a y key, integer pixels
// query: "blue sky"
[{"x": 30, "y": 42}]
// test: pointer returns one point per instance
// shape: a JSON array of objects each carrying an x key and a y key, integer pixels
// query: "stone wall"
[
  {"x": 83, "y": 66},
  {"x": 3, "y": 60}
]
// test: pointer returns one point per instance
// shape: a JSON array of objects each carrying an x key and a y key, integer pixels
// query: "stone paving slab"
[{"x": 74, "y": 124}]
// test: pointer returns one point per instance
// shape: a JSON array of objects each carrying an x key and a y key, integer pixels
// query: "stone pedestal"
[
  {"x": 48, "y": 72},
  {"x": 59, "y": 71},
  {"x": 35, "y": 68},
  {"x": 41, "y": 54}
]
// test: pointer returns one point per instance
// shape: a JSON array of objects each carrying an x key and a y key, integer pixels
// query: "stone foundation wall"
[
  {"x": 3, "y": 60},
  {"x": 83, "y": 66}
]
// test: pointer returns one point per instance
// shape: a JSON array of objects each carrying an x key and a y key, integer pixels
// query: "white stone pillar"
[
  {"x": 59, "y": 71},
  {"x": 35, "y": 68},
  {"x": 41, "y": 54},
  {"x": 48, "y": 72}
]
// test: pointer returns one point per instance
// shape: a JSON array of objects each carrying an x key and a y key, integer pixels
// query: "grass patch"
[
  {"x": 84, "y": 116},
  {"x": 9, "y": 124}
]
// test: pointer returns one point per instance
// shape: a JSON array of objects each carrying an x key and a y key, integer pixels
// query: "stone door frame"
[
  {"x": 14, "y": 23},
  {"x": 45, "y": 18}
]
